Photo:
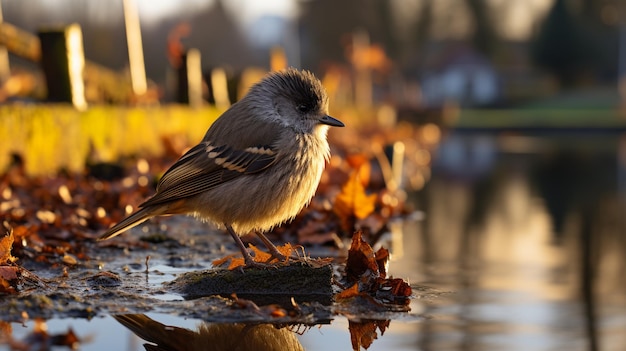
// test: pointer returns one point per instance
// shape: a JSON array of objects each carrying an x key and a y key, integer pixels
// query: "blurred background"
[
  {"x": 485, "y": 53},
  {"x": 516, "y": 154}
]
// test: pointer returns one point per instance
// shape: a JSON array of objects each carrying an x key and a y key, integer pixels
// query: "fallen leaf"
[
  {"x": 222, "y": 261},
  {"x": 356, "y": 160},
  {"x": 361, "y": 259},
  {"x": 319, "y": 262},
  {"x": 353, "y": 201},
  {"x": 6, "y": 287},
  {"x": 236, "y": 260},
  {"x": 369, "y": 272},
  {"x": 69, "y": 259},
  {"x": 278, "y": 313},
  {"x": 287, "y": 249},
  {"x": 382, "y": 261},
  {"x": 399, "y": 288},
  {"x": 6, "y": 244},
  {"x": 8, "y": 272},
  {"x": 352, "y": 291}
]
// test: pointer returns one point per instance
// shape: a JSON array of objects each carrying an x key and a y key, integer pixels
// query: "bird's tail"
[{"x": 129, "y": 222}]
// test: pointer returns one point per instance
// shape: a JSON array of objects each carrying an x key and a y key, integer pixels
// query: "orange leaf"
[
  {"x": 6, "y": 244},
  {"x": 236, "y": 261},
  {"x": 399, "y": 287},
  {"x": 259, "y": 255},
  {"x": 348, "y": 293},
  {"x": 353, "y": 199},
  {"x": 278, "y": 313},
  {"x": 286, "y": 249},
  {"x": 356, "y": 160},
  {"x": 5, "y": 287},
  {"x": 221, "y": 261}
]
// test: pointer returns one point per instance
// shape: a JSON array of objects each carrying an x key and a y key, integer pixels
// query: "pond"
[{"x": 522, "y": 246}]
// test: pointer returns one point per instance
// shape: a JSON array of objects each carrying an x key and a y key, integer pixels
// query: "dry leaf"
[
  {"x": 353, "y": 201},
  {"x": 382, "y": 261},
  {"x": 278, "y": 312},
  {"x": 8, "y": 272},
  {"x": 356, "y": 160},
  {"x": 399, "y": 288},
  {"x": 6, "y": 288},
  {"x": 6, "y": 244},
  {"x": 369, "y": 271},
  {"x": 361, "y": 259},
  {"x": 236, "y": 261},
  {"x": 348, "y": 293},
  {"x": 222, "y": 261}
]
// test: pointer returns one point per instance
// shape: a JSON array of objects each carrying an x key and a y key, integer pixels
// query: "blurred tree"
[
  {"x": 484, "y": 36},
  {"x": 424, "y": 22},
  {"x": 212, "y": 31},
  {"x": 600, "y": 20},
  {"x": 577, "y": 47},
  {"x": 387, "y": 35},
  {"x": 327, "y": 27},
  {"x": 560, "y": 47},
  {"x": 221, "y": 41}
]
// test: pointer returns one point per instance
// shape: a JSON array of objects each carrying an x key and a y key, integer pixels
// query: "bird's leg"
[
  {"x": 244, "y": 251},
  {"x": 271, "y": 248}
]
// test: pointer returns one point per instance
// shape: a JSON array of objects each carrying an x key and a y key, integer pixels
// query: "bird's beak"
[{"x": 333, "y": 122}]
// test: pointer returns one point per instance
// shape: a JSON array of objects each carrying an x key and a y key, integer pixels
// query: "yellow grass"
[{"x": 53, "y": 137}]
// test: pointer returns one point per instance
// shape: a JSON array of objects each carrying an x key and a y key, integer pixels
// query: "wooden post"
[
  {"x": 63, "y": 62},
  {"x": 5, "y": 71},
  {"x": 219, "y": 87},
  {"x": 135, "y": 48},
  {"x": 190, "y": 79}
]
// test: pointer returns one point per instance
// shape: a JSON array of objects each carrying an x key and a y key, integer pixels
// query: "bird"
[{"x": 256, "y": 167}]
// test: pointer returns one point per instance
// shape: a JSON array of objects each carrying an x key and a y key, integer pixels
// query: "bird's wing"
[{"x": 206, "y": 166}]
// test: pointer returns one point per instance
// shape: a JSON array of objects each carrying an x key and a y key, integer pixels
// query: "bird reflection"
[{"x": 226, "y": 336}]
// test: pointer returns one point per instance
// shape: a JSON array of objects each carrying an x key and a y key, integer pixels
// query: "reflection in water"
[
  {"x": 223, "y": 336},
  {"x": 241, "y": 336},
  {"x": 532, "y": 243}
]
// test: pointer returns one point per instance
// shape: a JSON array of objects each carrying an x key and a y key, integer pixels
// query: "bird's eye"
[{"x": 304, "y": 108}]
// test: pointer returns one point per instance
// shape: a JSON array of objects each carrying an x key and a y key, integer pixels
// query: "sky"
[
  {"x": 246, "y": 10},
  {"x": 517, "y": 17}
]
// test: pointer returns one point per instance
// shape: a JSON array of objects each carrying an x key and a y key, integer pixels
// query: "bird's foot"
[{"x": 276, "y": 255}]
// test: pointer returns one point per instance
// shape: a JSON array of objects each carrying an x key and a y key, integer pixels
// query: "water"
[{"x": 522, "y": 247}]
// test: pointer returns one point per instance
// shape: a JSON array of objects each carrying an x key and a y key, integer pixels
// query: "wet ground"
[{"x": 522, "y": 247}]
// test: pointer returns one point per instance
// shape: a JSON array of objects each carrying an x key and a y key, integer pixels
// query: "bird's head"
[{"x": 298, "y": 100}]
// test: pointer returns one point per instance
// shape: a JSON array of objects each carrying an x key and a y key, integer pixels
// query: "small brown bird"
[{"x": 257, "y": 166}]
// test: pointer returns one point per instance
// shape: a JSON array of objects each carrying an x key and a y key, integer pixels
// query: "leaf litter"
[{"x": 52, "y": 267}]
